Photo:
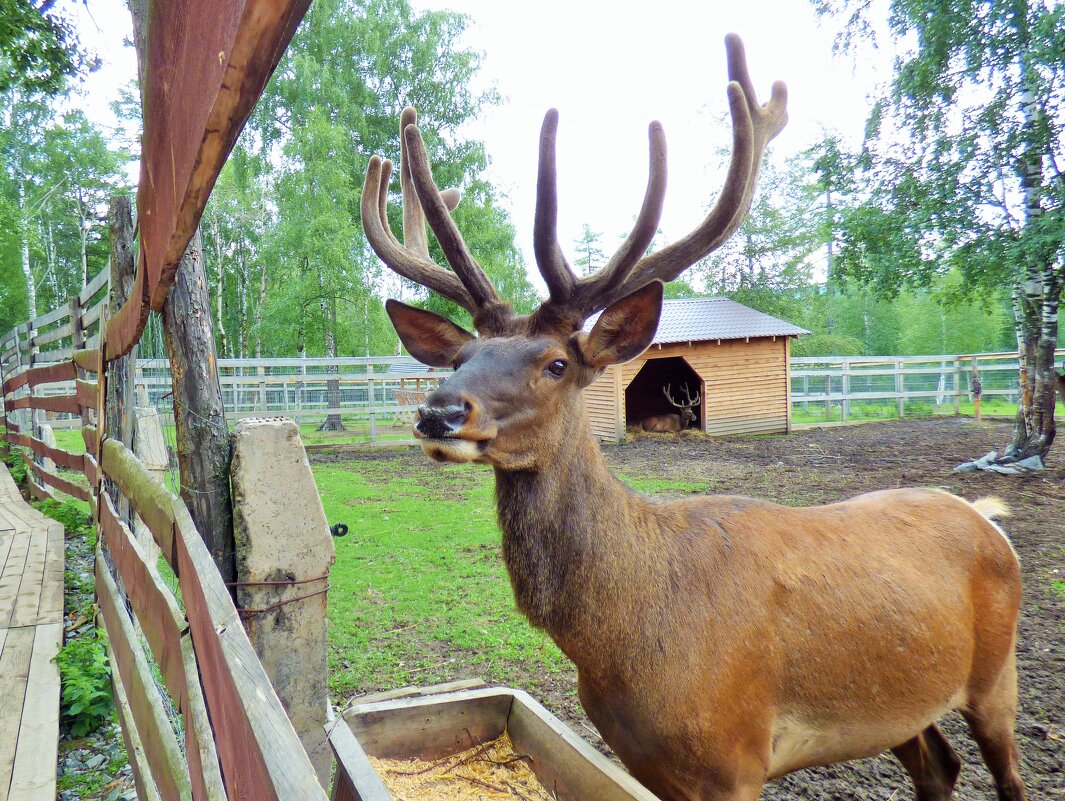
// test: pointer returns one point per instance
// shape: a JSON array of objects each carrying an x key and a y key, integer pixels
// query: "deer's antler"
[
  {"x": 571, "y": 300},
  {"x": 468, "y": 286}
]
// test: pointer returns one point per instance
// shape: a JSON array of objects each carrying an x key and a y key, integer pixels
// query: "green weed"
[{"x": 85, "y": 676}]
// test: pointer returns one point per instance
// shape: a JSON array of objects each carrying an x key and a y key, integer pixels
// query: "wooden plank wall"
[
  {"x": 604, "y": 409},
  {"x": 745, "y": 383}
]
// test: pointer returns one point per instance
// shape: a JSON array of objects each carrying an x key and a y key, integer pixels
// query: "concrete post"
[{"x": 284, "y": 554}]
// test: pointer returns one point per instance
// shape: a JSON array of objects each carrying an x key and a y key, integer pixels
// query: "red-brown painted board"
[
  {"x": 157, "y": 613},
  {"x": 61, "y": 484},
  {"x": 71, "y": 461},
  {"x": 124, "y": 327},
  {"x": 207, "y": 62},
  {"x": 60, "y": 371},
  {"x": 243, "y": 767},
  {"x": 50, "y": 403}
]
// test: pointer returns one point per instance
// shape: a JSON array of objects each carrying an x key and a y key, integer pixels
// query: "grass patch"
[{"x": 421, "y": 575}]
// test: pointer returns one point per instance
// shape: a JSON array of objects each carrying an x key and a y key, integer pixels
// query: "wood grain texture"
[
  {"x": 33, "y": 776},
  {"x": 168, "y": 769},
  {"x": 14, "y": 675}
]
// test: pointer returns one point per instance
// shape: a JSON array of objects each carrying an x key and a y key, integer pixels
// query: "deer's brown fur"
[{"x": 719, "y": 641}]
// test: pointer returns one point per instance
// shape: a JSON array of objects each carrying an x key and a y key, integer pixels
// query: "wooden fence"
[
  {"x": 235, "y": 740},
  {"x": 841, "y": 389},
  {"x": 198, "y": 713}
]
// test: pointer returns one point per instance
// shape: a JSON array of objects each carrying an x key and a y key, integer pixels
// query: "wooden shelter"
[{"x": 735, "y": 356}]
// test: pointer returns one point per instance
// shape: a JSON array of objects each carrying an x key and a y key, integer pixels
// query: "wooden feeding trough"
[{"x": 437, "y": 726}]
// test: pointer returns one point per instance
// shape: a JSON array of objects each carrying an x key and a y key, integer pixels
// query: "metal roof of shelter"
[{"x": 702, "y": 319}]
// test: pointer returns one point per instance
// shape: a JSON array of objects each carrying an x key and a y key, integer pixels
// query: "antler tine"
[
  {"x": 688, "y": 395},
  {"x": 753, "y": 126},
  {"x": 408, "y": 262},
  {"x": 669, "y": 397},
  {"x": 613, "y": 274},
  {"x": 433, "y": 205},
  {"x": 557, "y": 273},
  {"x": 413, "y": 216}
]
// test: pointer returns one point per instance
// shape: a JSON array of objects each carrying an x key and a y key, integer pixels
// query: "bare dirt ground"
[{"x": 825, "y": 465}]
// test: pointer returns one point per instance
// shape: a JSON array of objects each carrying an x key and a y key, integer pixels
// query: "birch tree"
[{"x": 964, "y": 170}]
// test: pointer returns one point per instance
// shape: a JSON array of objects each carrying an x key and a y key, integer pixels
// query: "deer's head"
[
  {"x": 686, "y": 414},
  {"x": 517, "y": 383}
]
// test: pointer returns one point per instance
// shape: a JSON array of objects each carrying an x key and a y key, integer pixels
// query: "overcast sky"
[{"x": 610, "y": 72}]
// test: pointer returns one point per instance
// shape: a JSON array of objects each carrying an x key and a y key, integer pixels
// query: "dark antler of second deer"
[{"x": 571, "y": 300}]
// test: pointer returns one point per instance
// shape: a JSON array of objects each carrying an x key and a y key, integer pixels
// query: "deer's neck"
[{"x": 571, "y": 538}]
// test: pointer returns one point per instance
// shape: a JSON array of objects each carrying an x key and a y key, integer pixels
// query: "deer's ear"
[
  {"x": 430, "y": 338},
  {"x": 624, "y": 330}
]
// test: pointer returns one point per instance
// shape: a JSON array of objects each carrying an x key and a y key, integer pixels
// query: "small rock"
[{"x": 95, "y": 762}]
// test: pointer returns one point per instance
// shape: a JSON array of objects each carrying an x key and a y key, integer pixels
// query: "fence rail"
[{"x": 842, "y": 389}]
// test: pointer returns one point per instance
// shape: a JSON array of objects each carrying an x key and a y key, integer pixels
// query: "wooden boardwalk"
[{"x": 31, "y": 633}]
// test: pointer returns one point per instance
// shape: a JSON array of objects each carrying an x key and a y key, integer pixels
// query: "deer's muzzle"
[{"x": 437, "y": 422}]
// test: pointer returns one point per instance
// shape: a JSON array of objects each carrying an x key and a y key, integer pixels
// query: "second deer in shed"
[{"x": 672, "y": 423}]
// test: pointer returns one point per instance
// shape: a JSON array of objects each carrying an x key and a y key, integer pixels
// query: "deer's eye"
[{"x": 557, "y": 368}]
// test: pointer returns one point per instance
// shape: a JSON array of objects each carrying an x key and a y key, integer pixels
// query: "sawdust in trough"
[{"x": 490, "y": 770}]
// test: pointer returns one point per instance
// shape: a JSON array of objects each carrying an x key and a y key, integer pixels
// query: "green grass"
[{"x": 419, "y": 575}]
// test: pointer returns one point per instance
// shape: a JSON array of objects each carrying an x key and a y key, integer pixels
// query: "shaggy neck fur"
[{"x": 572, "y": 542}]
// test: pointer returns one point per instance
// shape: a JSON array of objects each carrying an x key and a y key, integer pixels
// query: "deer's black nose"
[{"x": 442, "y": 421}]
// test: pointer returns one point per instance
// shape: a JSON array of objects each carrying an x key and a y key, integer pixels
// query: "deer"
[
  {"x": 719, "y": 641},
  {"x": 672, "y": 423}
]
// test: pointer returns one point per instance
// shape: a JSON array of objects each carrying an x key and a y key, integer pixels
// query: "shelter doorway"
[{"x": 644, "y": 396}]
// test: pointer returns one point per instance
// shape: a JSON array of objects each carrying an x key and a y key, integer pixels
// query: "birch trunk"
[
  {"x": 1035, "y": 300},
  {"x": 329, "y": 315},
  {"x": 24, "y": 250}
]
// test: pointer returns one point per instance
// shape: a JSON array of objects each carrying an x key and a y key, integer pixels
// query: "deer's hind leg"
[
  {"x": 992, "y": 717},
  {"x": 932, "y": 764}
]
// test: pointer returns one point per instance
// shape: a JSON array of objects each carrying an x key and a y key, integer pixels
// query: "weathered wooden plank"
[
  {"x": 61, "y": 371},
  {"x": 153, "y": 604},
  {"x": 60, "y": 332},
  {"x": 48, "y": 403},
  {"x": 353, "y": 768},
  {"x": 262, "y": 758},
  {"x": 563, "y": 761},
  {"x": 50, "y": 317},
  {"x": 14, "y": 674},
  {"x": 71, "y": 461},
  {"x": 53, "y": 355},
  {"x": 51, "y": 609},
  {"x": 98, "y": 282},
  {"x": 138, "y": 759},
  {"x": 166, "y": 766},
  {"x": 33, "y": 777},
  {"x": 87, "y": 392},
  {"x": 88, "y": 435},
  {"x": 90, "y": 316},
  {"x": 11, "y": 579},
  {"x": 430, "y": 727},
  {"x": 149, "y": 497},
  {"x": 88, "y": 360},
  {"x": 51, "y": 479},
  {"x": 28, "y": 601},
  {"x": 204, "y": 768}
]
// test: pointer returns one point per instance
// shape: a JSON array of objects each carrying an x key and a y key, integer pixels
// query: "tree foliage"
[
  {"x": 961, "y": 171},
  {"x": 39, "y": 48}
]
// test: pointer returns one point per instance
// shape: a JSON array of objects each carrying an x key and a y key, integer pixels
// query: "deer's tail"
[{"x": 991, "y": 507}]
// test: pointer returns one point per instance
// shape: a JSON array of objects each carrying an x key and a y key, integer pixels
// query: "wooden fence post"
[
  {"x": 371, "y": 401},
  {"x": 828, "y": 402},
  {"x": 900, "y": 388},
  {"x": 284, "y": 555},
  {"x": 203, "y": 446},
  {"x": 977, "y": 388},
  {"x": 845, "y": 386},
  {"x": 957, "y": 386},
  {"x": 261, "y": 372},
  {"x": 119, "y": 385}
]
